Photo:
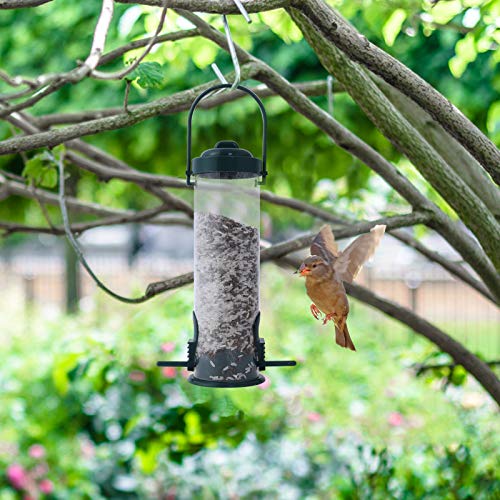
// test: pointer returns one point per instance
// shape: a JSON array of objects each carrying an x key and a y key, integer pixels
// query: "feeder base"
[{"x": 226, "y": 384}]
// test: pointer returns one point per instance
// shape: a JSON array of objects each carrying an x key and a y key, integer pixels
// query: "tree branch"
[
  {"x": 216, "y": 6},
  {"x": 143, "y": 42},
  {"x": 338, "y": 31},
  {"x": 421, "y": 368},
  {"x": 21, "y": 4},
  {"x": 478, "y": 368},
  {"x": 453, "y": 153},
  {"x": 313, "y": 88},
  {"x": 148, "y": 215},
  {"x": 407, "y": 139}
]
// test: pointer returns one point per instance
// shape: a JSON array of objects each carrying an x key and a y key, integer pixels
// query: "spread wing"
[
  {"x": 324, "y": 244},
  {"x": 351, "y": 260}
]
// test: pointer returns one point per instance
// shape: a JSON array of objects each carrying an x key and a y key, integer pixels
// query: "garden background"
[{"x": 85, "y": 412}]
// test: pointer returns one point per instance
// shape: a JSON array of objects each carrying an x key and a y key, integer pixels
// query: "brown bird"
[{"x": 326, "y": 270}]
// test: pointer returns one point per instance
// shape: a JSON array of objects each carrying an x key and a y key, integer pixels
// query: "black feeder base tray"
[{"x": 207, "y": 368}]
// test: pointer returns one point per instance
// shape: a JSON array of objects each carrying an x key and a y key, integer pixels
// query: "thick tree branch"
[
  {"x": 313, "y": 88},
  {"x": 338, "y": 31},
  {"x": 407, "y": 139},
  {"x": 422, "y": 368},
  {"x": 453, "y": 153},
  {"x": 216, "y": 6},
  {"x": 21, "y": 4}
]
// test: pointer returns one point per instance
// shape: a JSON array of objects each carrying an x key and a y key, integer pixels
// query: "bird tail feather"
[{"x": 343, "y": 338}]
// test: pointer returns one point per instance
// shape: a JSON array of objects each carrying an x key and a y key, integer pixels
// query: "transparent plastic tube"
[{"x": 226, "y": 276}]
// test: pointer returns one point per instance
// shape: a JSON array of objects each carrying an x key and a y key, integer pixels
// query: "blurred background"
[{"x": 85, "y": 413}]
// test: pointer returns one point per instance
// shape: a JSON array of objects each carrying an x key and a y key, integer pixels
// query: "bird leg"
[
  {"x": 329, "y": 317},
  {"x": 315, "y": 311}
]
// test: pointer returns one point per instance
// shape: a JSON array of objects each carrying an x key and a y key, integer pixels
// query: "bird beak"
[{"x": 303, "y": 270}]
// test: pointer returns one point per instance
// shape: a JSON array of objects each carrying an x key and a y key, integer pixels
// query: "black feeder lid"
[{"x": 227, "y": 158}]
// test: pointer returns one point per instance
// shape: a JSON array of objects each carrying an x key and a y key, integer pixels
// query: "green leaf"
[
  {"x": 49, "y": 177},
  {"x": 62, "y": 366},
  {"x": 148, "y": 458},
  {"x": 148, "y": 75},
  {"x": 466, "y": 53},
  {"x": 58, "y": 150},
  {"x": 282, "y": 26},
  {"x": 444, "y": 12},
  {"x": 33, "y": 167},
  {"x": 393, "y": 26},
  {"x": 41, "y": 169}
]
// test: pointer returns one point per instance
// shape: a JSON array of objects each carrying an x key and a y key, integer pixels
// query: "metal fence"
[{"x": 30, "y": 276}]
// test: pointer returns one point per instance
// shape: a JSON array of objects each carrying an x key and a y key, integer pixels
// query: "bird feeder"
[{"x": 226, "y": 350}]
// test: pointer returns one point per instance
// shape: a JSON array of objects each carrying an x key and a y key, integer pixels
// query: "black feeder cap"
[{"x": 227, "y": 158}]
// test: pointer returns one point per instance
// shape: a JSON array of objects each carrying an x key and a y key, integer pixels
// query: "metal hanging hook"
[
  {"x": 243, "y": 11},
  {"x": 232, "y": 49}
]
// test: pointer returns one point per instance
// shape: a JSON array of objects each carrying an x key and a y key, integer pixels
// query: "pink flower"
[
  {"x": 36, "y": 451},
  {"x": 168, "y": 347},
  {"x": 137, "y": 376},
  {"x": 265, "y": 384},
  {"x": 185, "y": 373},
  {"x": 169, "y": 372},
  {"x": 39, "y": 470},
  {"x": 17, "y": 476},
  {"x": 395, "y": 419},
  {"x": 88, "y": 449},
  {"x": 314, "y": 417},
  {"x": 46, "y": 486}
]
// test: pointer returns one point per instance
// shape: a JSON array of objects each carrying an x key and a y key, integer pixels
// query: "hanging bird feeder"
[{"x": 226, "y": 350}]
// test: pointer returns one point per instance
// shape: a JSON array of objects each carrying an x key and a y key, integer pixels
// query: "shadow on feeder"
[{"x": 226, "y": 350}]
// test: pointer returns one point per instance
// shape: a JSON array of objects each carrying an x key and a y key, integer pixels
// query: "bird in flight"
[{"x": 326, "y": 270}]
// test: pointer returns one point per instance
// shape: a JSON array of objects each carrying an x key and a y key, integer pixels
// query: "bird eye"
[{"x": 314, "y": 265}]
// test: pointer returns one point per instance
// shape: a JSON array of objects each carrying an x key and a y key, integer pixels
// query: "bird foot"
[
  {"x": 328, "y": 317},
  {"x": 315, "y": 311}
]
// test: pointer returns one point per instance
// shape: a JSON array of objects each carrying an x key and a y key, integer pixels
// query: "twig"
[
  {"x": 136, "y": 44},
  {"x": 76, "y": 246},
  {"x": 148, "y": 215},
  {"x": 128, "y": 83},
  {"x": 118, "y": 75}
]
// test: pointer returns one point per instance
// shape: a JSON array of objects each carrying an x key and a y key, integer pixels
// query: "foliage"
[
  {"x": 148, "y": 75},
  {"x": 113, "y": 425}
]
